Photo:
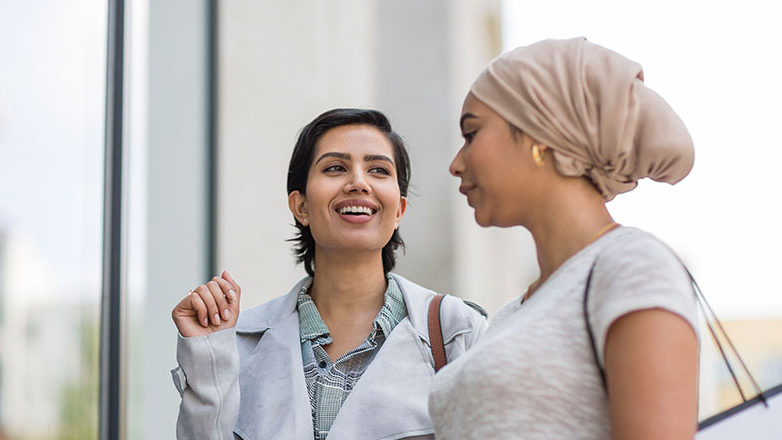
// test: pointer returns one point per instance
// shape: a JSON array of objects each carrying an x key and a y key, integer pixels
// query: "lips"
[
  {"x": 464, "y": 188},
  {"x": 355, "y": 210}
]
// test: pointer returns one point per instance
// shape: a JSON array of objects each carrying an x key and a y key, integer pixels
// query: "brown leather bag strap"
[{"x": 436, "y": 333}]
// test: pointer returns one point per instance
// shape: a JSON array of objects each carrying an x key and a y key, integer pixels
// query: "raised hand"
[{"x": 209, "y": 307}]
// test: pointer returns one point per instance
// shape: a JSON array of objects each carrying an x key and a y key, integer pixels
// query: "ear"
[
  {"x": 297, "y": 203},
  {"x": 400, "y": 211},
  {"x": 529, "y": 141}
]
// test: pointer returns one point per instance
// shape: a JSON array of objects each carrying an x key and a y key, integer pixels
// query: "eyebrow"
[
  {"x": 346, "y": 156},
  {"x": 374, "y": 157},
  {"x": 343, "y": 156},
  {"x": 465, "y": 117}
]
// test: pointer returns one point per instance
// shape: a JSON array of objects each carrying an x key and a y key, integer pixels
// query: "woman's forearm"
[{"x": 208, "y": 381}]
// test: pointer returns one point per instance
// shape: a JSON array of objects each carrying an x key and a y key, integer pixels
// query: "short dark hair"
[{"x": 301, "y": 160}]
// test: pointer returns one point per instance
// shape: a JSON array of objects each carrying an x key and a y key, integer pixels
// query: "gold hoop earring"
[{"x": 537, "y": 156}]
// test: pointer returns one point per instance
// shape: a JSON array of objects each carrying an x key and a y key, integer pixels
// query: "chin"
[
  {"x": 487, "y": 221},
  {"x": 362, "y": 244},
  {"x": 482, "y": 220}
]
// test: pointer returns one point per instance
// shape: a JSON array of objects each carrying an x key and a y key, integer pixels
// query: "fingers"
[
  {"x": 200, "y": 308},
  {"x": 227, "y": 276},
  {"x": 212, "y": 308},
  {"x": 215, "y": 303},
  {"x": 228, "y": 290},
  {"x": 221, "y": 300}
]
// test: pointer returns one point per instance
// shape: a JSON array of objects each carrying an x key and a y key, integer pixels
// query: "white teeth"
[{"x": 356, "y": 210}]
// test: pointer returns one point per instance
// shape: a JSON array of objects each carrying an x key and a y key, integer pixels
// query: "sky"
[
  {"x": 52, "y": 82},
  {"x": 717, "y": 64}
]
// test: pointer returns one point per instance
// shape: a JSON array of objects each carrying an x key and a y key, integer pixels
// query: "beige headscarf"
[{"x": 591, "y": 107}]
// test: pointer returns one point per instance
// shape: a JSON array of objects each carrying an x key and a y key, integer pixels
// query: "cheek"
[
  {"x": 390, "y": 198},
  {"x": 318, "y": 196},
  {"x": 498, "y": 189},
  {"x": 482, "y": 160}
]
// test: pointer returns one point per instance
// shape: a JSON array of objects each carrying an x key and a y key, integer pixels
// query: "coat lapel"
[
  {"x": 390, "y": 399},
  {"x": 274, "y": 393}
]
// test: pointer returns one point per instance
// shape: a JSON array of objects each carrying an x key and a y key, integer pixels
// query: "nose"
[
  {"x": 457, "y": 165},
  {"x": 357, "y": 182}
]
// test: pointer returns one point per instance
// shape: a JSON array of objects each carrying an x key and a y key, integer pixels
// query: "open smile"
[{"x": 356, "y": 210}]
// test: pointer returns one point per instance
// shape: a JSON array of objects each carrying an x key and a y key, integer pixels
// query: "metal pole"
[
  {"x": 110, "y": 347},
  {"x": 212, "y": 124}
]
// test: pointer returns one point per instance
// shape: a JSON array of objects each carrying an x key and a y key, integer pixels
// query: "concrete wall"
[{"x": 281, "y": 64}]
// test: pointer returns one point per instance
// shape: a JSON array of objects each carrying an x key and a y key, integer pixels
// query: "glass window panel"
[{"x": 52, "y": 91}]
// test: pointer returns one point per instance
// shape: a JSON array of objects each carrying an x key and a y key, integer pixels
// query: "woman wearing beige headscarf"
[{"x": 604, "y": 344}]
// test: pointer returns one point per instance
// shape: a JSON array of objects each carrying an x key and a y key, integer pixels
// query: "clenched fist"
[{"x": 209, "y": 307}]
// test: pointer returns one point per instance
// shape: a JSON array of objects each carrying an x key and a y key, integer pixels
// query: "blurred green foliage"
[{"x": 79, "y": 401}]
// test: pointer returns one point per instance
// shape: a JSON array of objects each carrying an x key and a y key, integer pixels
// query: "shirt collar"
[
  {"x": 393, "y": 309},
  {"x": 312, "y": 327}
]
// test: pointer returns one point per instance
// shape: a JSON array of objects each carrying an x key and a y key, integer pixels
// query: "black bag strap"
[
  {"x": 708, "y": 314},
  {"x": 589, "y": 328}
]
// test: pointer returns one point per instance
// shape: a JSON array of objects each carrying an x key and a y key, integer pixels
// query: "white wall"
[{"x": 281, "y": 64}]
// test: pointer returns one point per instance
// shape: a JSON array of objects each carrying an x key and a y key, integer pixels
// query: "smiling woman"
[
  {"x": 352, "y": 188},
  {"x": 380, "y": 156},
  {"x": 346, "y": 353}
]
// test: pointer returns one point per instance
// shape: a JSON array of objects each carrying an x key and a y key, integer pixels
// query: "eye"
[
  {"x": 468, "y": 137},
  {"x": 334, "y": 168},
  {"x": 380, "y": 170}
]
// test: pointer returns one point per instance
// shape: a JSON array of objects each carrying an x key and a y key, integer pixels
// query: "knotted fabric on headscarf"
[{"x": 589, "y": 105}]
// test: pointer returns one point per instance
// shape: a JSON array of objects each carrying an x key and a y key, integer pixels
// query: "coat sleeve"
[
  {"x": 207, "y": 379},
  {"x": 479, "y": 323},
  {"x": 463, "y": 323}
]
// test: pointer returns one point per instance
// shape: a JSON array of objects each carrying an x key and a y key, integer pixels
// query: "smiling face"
[
  {"x": 495, "y": 166},
  {"x": 352, "y": 201}
]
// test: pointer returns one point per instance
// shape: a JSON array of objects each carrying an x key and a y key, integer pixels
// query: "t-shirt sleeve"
[{"x": 637, "y": 273}]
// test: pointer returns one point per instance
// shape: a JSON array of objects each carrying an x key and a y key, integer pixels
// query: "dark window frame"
[{"x": 111, "y": 373}]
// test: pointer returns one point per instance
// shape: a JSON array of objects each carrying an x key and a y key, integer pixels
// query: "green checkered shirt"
[{"x": 330, "y": 383}]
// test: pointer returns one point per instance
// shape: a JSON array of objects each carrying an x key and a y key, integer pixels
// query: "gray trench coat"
[{"x": 248, "y": 382}]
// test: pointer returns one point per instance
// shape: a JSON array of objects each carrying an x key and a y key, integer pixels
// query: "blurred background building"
[{"x": 214, "y": 93}]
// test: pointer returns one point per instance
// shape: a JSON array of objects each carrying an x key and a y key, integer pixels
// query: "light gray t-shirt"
[{"x": 533, "y": 375}]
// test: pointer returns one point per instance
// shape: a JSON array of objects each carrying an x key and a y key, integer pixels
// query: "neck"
[
  {"x": 568, "y": 222},
  {"x": 348, "y": 284}
]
